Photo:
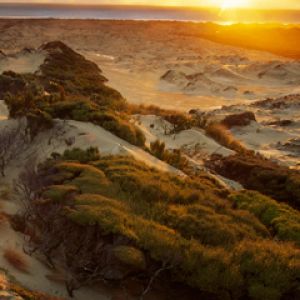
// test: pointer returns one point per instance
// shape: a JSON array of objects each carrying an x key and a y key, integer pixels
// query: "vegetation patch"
[
  {"x": 130, "y": 256},
  {"x": 283, "y": 220},
  {"x": 223, "y": 136},
  {"x": 257, "y": 173},
  {"x": 241, "y": 119},
  {"x": 127, "y": 220},
  {"x": 173, "y": 158}
]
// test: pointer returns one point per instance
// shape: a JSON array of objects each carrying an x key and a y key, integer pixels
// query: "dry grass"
[
  {"x": 16, "y": 259},
  {"x": 224, "y": 137},
  {"x": 141, "y": 109}
]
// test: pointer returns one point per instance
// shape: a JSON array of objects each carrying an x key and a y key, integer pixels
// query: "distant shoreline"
[
  {"x": 220, "y": 23},
  {"x": 146, "y": 13}
]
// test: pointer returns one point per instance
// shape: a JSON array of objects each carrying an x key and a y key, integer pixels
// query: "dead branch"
[{"x": 164, "y": 267}]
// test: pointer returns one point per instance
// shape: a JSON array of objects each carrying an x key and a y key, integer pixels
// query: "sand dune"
[
  {"x": 134, "y": 62},
  {"x": 191, "y": 84},
  {"x": 22, "y": 62},
  {"x": 276, "y": 132},
  {"x": 234, "y": 80},
  {"x": 153, "y": 127},
  {"x": 275, "y": 70},
  {"x": 227, "y": 75}
]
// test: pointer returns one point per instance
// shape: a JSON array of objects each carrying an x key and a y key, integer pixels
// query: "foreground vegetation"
[{"x": 113, "y": 217}]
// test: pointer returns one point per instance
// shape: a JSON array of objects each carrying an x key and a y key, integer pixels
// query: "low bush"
[
  {"x": 283, "y": 221},
  {"x": 172, "y": 157},
  {"x": 241, "y": 119}
]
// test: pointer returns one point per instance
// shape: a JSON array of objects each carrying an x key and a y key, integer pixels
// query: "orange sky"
[{"x": 270, "y": 4}]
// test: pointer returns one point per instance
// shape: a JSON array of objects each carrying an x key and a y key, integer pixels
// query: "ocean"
[{"x": 114, "y": 12}]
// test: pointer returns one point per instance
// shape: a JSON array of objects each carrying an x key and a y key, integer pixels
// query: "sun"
[{"x": 228, "y": 4}]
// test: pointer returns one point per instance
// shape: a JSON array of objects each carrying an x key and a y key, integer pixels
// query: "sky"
[{"x": 258, "y": 4}]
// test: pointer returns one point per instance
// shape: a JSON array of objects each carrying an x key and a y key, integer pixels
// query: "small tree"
[{"x": 179, "y": 122}]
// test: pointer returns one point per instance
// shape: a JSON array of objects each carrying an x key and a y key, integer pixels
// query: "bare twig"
[{"x": 164, "y": 267}]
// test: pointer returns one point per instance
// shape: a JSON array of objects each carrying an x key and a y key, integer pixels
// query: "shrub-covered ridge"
[
  {"x": 125, "y": 216},
  {"x": 67, "y": 86}
]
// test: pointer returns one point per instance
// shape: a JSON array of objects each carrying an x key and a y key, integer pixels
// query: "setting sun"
[{"x": 227, "y": 4}]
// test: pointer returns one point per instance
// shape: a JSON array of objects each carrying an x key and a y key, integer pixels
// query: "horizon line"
[{"x": 149, "y": 6}]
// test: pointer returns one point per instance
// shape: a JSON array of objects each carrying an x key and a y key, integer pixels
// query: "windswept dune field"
[{"x": 168, "y": 63}]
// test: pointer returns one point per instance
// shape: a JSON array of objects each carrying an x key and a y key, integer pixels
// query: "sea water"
[{"x": 116, "y": 12}]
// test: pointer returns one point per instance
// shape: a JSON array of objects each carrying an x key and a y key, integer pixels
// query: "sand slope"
[{"x": 22, "y": 62}]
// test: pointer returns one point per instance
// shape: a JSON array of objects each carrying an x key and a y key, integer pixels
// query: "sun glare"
[{"x": 228, "y": 4}]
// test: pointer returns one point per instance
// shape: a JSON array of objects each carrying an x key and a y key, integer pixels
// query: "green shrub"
[
  {"x": 59, "y": 193},
  {"x": 172, "y": 157},
  {"x": 283, "y": 220},
  {"x": 270, "y": 269},
  {"x": 87, "y": 178}
]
